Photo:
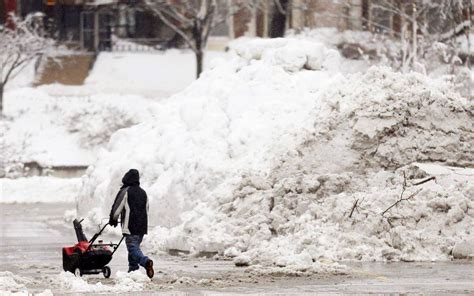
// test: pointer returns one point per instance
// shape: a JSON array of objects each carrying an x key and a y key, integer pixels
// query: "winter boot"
[{"x": 149, "y": 269}]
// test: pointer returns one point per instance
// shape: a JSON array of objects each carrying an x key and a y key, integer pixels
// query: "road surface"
[{"x": 32, "y": 236}]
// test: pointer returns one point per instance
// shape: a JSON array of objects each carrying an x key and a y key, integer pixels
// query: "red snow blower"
[{"x": 86, "y": 257}]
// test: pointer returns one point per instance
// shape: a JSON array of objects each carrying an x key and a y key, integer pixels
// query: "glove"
[{"x": 113, "y": 222}]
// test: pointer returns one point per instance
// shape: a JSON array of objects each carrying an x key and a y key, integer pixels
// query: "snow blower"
[{"x": 86, "y": 257}]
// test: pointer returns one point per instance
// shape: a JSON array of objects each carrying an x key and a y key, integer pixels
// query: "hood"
[{"x": 131, "y": 178}]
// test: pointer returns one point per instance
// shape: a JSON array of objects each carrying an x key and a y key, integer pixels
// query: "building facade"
[
  {"x": 89, "y": 24},
  {"x": 93, "y": 24}
]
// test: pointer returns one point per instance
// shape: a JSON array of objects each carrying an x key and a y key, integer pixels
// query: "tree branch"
[
  {"x": 167, "y": 22},
  {"x": 404, "y": 186},
  {"x": 12, "y": 67},
  {"x": 402, "y": 199},
  {"x": 425, "y": 180},
  {"x": 353, "y": 208},
  {"x": 21, "y": 44},
  {"x": 208, "y": 23}
]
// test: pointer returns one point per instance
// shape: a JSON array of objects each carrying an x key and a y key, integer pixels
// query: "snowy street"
[{"x": 33, "y": 234}]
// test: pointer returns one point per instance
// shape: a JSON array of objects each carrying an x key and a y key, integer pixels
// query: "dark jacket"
[{"x": 131, "y": 204}]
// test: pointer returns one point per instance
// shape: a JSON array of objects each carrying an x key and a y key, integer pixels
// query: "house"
[
  {"x": 298, "y": 14},
  {"x": 7, "y": 7},
  {"x": 92, "y": 24},
  {"x": 382, "y": 16},
  {"x": 89, "y": 24}
]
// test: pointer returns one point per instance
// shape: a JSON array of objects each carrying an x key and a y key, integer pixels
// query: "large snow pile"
[
  {"x": 271, "y": 152},
  {"x": 366, "y": 131},
  {"x": 237, "y": 117}
]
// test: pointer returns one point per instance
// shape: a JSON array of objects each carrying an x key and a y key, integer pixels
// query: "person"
[{"x": 131, "y": 204}]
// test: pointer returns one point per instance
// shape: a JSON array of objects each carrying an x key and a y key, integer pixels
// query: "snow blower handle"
[
  {"x": 116, "y": 247},
  {"x": 93, "y": 239},
  {"x": 91, "y": 242},
  {"x": 97, "y": 234}
]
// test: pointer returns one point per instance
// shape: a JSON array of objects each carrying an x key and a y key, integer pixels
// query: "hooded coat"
[{"x": 131, "y": 204}]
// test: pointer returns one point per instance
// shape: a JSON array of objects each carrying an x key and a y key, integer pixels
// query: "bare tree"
[
  {"x": 420, "y": 23},
  {"x": 194, "y": 20},
  {"x": 279, "y": 17},
  {"x": 19, "y": 45},
  {"x": 282, "y": 15}
]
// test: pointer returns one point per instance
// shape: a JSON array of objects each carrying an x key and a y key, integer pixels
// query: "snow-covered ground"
[
  {"x": 154, "y": 75},
  {"x": 66, "y": 130}
]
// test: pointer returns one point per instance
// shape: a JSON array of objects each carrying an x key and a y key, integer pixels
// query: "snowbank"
[
  {"x": 366, "y": 132},
  {"x": 236, "y": 118},
  {"x": 39, "y": 189},
  {"x": 270, "y": 151}
]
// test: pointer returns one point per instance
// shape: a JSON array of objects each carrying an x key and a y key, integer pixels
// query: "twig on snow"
[
  {"x": 424, "y": 181},
  {"x": 353, "y": 208},
  {"x": 402, "y": 199},
  {"x": 403, "y": 191}
]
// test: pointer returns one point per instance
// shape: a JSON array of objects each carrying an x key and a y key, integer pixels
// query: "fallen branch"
[
  {"x": 353, "y": 208},
  {"x": 424, "y": 181},
  {"x": 402, "y": 199},
  {"x": 403, "y": 191}
]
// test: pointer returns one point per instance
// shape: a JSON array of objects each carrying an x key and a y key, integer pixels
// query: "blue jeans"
[{"x": 135, "y": 255}]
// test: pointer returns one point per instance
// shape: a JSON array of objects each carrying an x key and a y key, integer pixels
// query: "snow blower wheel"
[
  {"x": 106, "y": 271},
  {"x": 77, "y": 272}
]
